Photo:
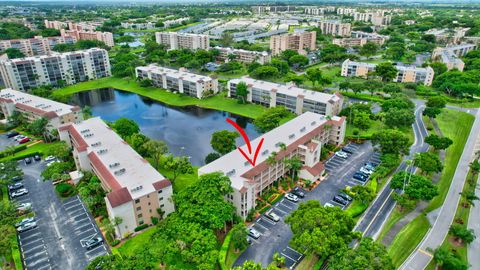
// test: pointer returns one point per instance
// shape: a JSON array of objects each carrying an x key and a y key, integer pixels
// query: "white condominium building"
[
  {"x": 300, "y": 42},
  {"x": 304, "y": 137},
  {"x": 267, "y": 9},
  {"x": 55, "y": 68},
  {"x": 450, "y": 55},
  {"x": 295, "y": 99},
  {"x": 244, "y": 55},
  {"x": 105, "y": 37},
  {"x": 34, "y": 107},
  {"x": 175, "y": 40},
  {"x": 405, "y": 73},
  {"x": 55, "y": 24},
  {"x": 375, "y": 18},
  {"x": 335, "y": 28},
  {"x": 350, "y": 42},
  {"x": 451, "y": 36},
  {"x": 135, "y": 190},
  {"x": 346, "y": 11},
  {"x": 318, "y": 10},
  {"x": 35, "y": 46},
  {"x": 180, "y": 81}
]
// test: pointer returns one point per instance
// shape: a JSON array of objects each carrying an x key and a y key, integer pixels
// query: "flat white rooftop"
[
  {"x": 289, "y": 90},
  {"x": 51, "y": 54},
  {"x": 125, "y": 166},
  {"x": 184, "y": 75},
  {"x": 37, "y": 103}
]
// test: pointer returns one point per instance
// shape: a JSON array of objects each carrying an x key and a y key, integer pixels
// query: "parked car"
[
  {"x": 50, "y": 158},
  {"x": 297, "y": 191},
  {"x": 37, "y": 158},
  {"x": 15, "y": 186},
  {"x": 369, "y": 166},
  {"x": 328, "y": 205},
  {"x": 24, "y": 207},
  {"x": 341, "y": 154},
  {"x": 253, "y": 233},
  {"x": 24, "y": 221},
  {"x": 249, "y": 241},
  {"x": 345, "y": 196},
  {"x": 96, "y": 241},
  {"x": 291, "y": 197},
  {"x": 26, "y": 227},
  {"x": 24, "y": 140},
  {"x": 12, "y": 134},
  {"x": 17, "y": 178},
  {"x": 348, "y": 149},
  {"x": 365, "y": 170},
  {"x": 19, "y": 192},
  {"x": 360, "y": 177},
  {"x": 271, "y": 215},
  {"x": 339, "y": 200},
  {"x": 28, "y": 160},
  {"x": 19, "y": 137},
  {"x": 52, "y": 162}
]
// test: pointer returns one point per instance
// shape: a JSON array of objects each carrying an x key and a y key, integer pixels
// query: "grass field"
[
  {"x": 40, "y": 147},
  {"x": 407, "y": 239},
  {"x": 128, "y": 247},
  {"x": 216, "y": 102}
]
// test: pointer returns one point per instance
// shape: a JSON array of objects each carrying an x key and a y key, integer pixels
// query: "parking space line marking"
[
  {"x": 81, "y": 209},
  {"x": 296, "y": 252},
  {"x": 37, "y": 254},
  {"x": 77, "y": 221},
  {"x": 267, "y": 220},
  {"x": 288, "y": 257},
  {"x": 34, "y": 241},
  {"x": 78, "y": 234},
  {"x": 75, "y": 200},
  {"x": 37, "y": 262},
  {"x": 31, "y": 249},
  {"x": 85, "y": 225},
  {"x": 70, "y": 207},
  {"x": 90, "y": 251},
  {"x": 283, "y": 204},
  {"x": 46, "y": 266},
  {"x": 28, "y": 237},
  {"x": 280, "y": 210},
  {"x": 266, "y": 229}
]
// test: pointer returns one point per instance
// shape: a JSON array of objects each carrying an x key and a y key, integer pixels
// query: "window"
[
  {"x": 137, "y": 200},
  {"x": 149, "y": 203},
  {"x": 150, "y": 210},
  {"x": 162, "y": 205},
  {"x": 139, "y": 208},
  {"x": 140, "y": 222},
  {"x": 139, "y": 215},
  {"x": 160, "y": 199},
  {"x": 160, "y": 191},
  {"x": 148, "y": 196}
]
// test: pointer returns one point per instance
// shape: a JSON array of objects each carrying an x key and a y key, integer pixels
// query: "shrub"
[
  {"x": 114, "y": 242},
  {"x": 222, "y": 255},
  {"x": 154, "y": 220},
  {"x": 65, "y": 189},
  {"x": 141, "y": 227}
]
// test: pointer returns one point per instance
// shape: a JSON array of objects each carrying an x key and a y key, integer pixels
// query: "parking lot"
[
  {"x": 63, "y": 226},
  {"x": 6, "y": 142},
  {"x": 275, "y": 236}
]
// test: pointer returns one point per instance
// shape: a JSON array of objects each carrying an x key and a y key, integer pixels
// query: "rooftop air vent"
[
  {"x": 265, "y": 152},
  {"x": 291, "y": 136},
  {"x": 102, "y": 151},
  {"x": 120, "y": 172},
  {"x": 113, "y": 165},
  {"x": 230, "y": 173},
  {"x": 313, "y": 123},
  {"x": 303, "y": 129}
]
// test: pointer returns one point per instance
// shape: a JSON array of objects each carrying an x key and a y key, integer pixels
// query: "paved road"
[
  {"x": 420, "y": 258},
  {"x": 60, "y": 230},
  {"x": 473, "y": 223},
  {"x": 275, "y": 237},
  {"x": 372, "y": 221}
]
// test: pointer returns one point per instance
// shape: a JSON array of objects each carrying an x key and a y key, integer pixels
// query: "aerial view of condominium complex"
[{"x": 299, "y": 135}]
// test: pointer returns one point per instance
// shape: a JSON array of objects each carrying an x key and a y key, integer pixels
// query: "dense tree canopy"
[
  {"x": 369, "y": 255},
  {"x": 223, "y": 141},
  {"x": 391, "y": 141}
]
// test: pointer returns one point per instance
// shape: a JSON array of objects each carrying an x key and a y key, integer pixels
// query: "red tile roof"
[
  {"x": 81, "y": 143},
  {"x": 119, "y": 197},
  {"x": 162, "y": 184},
  {"x": 316, "y": 170},
  {"x": 104, "y": 174},
  {"x": 312, "y": 145}
]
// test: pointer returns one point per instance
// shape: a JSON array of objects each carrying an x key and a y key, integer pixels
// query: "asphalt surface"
[
  {"x": 373, "y": 219},
  {"x": 276, "y": 236},
  {"x": 420, "y": 258},
  {"x": 6, "y": 142},
  {"x": 62, "y": 227},
  {"x": 473, "y": 223}
]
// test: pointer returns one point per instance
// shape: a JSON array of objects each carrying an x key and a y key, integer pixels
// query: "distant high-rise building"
[
  {"x": 35, "y": 46},
  {"x": 175, "y": 40},
  {"x": 450, "y": 55},
  {"x": 105, "y": 37},
  {"x": 300, "y": 42},
  {"x": 335, "y": 28}
]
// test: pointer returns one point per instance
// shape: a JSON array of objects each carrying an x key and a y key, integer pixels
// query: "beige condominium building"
[
  {"x": 180, "y": 81},
  {"x": 135, "y": 190},
  {"x": 105, "y": 37},
  {"x": 243, "y": 55},
  {"x": 450, "y": 36},
  {"x": 175, "y": 41},
  {"x": 69, "y": 68},
  {"x": 318, "y": 10},
  {"x": 376, "y": 18},
  {"x": 300, "y": 42},
  {"x": 450, "y": 55},
  {"x": 303, "y": 137},
  {"x": 335, "y": 28},
  {"x": 35, "y": 46},
  {"x": 354, "y": 41},
  {"x": 34, "y": 107},
  {"x": 405, "y": 73},
  {"x": 295, "y": 99},
  {"x": 80, "y": 26}
]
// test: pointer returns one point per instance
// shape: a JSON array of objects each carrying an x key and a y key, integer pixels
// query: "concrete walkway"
[
  {"x": 474, "y": 223},
  {"x": 421, "y": 257}
]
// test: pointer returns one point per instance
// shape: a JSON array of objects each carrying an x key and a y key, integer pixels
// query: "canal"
[{"x": 186, "y": 130}]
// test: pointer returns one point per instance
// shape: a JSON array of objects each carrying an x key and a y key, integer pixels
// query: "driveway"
[
  {"x": 63, "y": 227},
  {"x": 6, "y": 142},
  {"x": 276, "y": 236}
]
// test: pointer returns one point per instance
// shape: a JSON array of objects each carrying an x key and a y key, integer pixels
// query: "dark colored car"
[
  {"x": 339, "y": 200},
  {"x": 28, "y": 160},
  {"x": 360, "y": 177},
  {"x": 345, "y": 196},
  {"x": 17, "y": 178},
  {"x": 12, "y": 134},
  {"x": 37, "y": 158},
  {"x": 298, "y": 191},
  {"x": 348, "y": 150},
  {"x": 93, "y": 242}
]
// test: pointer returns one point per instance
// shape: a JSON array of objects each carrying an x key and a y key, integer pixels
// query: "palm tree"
[
  {"x": 272, "y": 159},
  {"x": 294, "y": 165},
  {"x": 475, "y": 167},
  {"x": 117, "y": 221}
]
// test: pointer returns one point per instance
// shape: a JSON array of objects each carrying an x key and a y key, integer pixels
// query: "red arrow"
[{"x": 247, "y": 141}]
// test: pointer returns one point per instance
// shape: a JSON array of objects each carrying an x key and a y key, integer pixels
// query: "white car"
[
  {"x": 25, "y": 221},
  {"x": 291, "y": 197},
  {"x": 328, "y": 205},
  {"x": 366, "y": 171},
  {"x": 272, "y": 216},
  {"x": 24, "y": 207},
  {"x": 51, "y": 163},
  {"x": 341, "y": 154},
  {"x": 19, "y": 192},
  {"x": 20, "y": 137},
  {"x": 27, "y": 227},
  {"x": 253, "y": 233},
  {"x": 50, "y": 158}
]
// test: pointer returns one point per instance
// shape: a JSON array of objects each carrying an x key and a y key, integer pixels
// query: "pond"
[{"x": 186, "y": 130}]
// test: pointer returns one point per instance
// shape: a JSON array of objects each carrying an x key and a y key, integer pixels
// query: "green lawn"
[
  {"x": 129, "y": 247},
  {"x": 183, "y": 180},
  {"x": 407, "y": 239},
  {"x": 218, "y": 102},
  {"x": 393, "y": 218},
  {"x": 456, "y": 126},
  {"x": 231, "y": 257},
  {"x": 40, "y": 148}
]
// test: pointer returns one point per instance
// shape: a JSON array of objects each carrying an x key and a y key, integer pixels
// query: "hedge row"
[
  {"x": 222, "y": 255},
  {"x": 141, "y": 227},
  {"x": 17, "y": 149}
]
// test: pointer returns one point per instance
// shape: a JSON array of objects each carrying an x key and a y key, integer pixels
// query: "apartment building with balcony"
[
  {"x": 300, "y": 42},
  {"x": 105, "y": 37},
  {"x": 335, "y": 28},
  {"x": 303, "y": 137},
  {"x": 244, "y": 56},
  {"x": 273, "y": 9},
  {"x": 354, "y": 41},
  {"x": 135, "y": 190},
  {"x": 78, "y": 26},
  {"x": 33, "y": 107},
  {"x": 449, "y": 36},
  {"x": 376, "y": 18},
  {"x": 405, "y": 73},
  {"x": 180, "y": 81},
  {"x": 69, "y": 68},
  {"x": 318, "y": 10},
  {"x": 450, "y": 55},
  {"x": 295, "y": 99},
  {"x": 175, "y": 41},
  {"x": 55, "y": 24},
  {"x": 35, "y": 46}
]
